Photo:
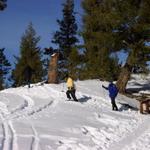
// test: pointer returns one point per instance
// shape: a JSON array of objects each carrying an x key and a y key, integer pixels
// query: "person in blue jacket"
[{"x": 113, "y": 91}]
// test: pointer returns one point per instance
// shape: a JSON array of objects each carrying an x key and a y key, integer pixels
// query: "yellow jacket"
[{"x": 70, "y": 83}]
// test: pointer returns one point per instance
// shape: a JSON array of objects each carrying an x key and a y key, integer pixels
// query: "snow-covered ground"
[{"x": 41, "y": 118}]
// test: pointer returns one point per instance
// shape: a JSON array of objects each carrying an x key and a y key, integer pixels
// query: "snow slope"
[{"x": 40, "y": 118}]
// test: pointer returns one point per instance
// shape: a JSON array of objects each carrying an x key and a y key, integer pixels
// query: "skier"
[
  {"x": 113, "y": 91},
  {"x": 71, "y": 88}
]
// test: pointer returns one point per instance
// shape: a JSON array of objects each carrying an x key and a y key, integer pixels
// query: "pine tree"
[
  {"x": 3, "y": 4},
  {"x": 98, "y": 36},
  {"x": 30, "y": 56},
  {"x": 113, "y": 25},
  {"x": 4, "y": 68},
  {"x": 133, "y": 34},
  {"x": 65, "y": 37},
  {"x": 75, "y": 64}
]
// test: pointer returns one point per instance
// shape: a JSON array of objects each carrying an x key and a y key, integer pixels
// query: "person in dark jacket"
[
  {"x": 28, "y": 71},
  {"x": 113, "y": 91}
]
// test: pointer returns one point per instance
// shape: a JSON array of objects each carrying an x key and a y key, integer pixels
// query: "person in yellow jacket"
[{"x": 71, "y": 88}]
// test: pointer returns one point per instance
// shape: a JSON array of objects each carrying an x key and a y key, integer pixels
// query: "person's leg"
[
  {"x": 73, "y": 95},
  {"x": 112, "y": 103},
  {"x": 68, "y": 94},
  {"x": 28, "y": 83},
  {"x": 114, "y": 106}
]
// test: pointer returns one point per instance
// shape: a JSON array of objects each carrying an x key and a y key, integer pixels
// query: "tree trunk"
[
  {"x": 53, "y": 69},
  {"x": 124, "y": 78}
]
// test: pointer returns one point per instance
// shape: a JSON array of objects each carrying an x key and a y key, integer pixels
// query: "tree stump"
[
  {"x": 145, "y": 106},
  {"x": 53, "y": 69}
]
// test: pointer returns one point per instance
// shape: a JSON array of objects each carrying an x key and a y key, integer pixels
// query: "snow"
[
  {"x": 53, "y": 54},
  {"x": 41, "y": 118}
]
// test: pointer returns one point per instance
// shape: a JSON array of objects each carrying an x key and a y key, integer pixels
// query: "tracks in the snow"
[
  {"x": 9, "y": 137},
  {"x": 26, "y": 109},
  {"x": 35, "y": 140},
  {"x": 9, "y": 140}
]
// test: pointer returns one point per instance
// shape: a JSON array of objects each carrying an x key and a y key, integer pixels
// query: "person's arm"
[{"x": 105, "y": 87}]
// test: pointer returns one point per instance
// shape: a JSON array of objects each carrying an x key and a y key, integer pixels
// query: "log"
[{"x": 145, "y": 106}]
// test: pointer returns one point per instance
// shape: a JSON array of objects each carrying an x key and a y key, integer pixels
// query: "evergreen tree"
[
  {"x": 98, "y": 37},
  {"x": 3, "y": 4},
  {"x": 65, "y": 37},
  {"x": 4, "y": 64},
  {"x": 4, "y": 68},
  {"x": 30, "y": 56},
  {"x": 118, "y": 25},
  {"x": 75, "y": 65},
  {"x": 133, "y": 34}
]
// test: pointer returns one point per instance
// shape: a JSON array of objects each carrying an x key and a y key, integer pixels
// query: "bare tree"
[{"x": 53, "y": 69}]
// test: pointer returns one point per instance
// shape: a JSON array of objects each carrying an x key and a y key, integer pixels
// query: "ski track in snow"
[
  {"x": 14, "y": 145},
  {"x": 27, "y": 113},
  {"x": 9, "y": 134},
  {"x": 5, "y": 140},
  {"x": 25, "y": 110},
  {"x": 35, "y": 140}
]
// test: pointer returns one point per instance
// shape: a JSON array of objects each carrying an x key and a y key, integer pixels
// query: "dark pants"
[
  {"x": 72, "y": 93},
  {"x": 114, "y": 106},
  {"x": 28, "y": 82}
]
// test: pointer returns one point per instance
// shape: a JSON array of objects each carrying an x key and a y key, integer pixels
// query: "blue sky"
[{"x": 19, "y": 13}]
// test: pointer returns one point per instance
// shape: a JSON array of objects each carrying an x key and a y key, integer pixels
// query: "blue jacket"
[{"x": 113, "y": 91}]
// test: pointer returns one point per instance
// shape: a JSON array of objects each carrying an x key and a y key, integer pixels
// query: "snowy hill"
[{"x": 40, "y": 118}]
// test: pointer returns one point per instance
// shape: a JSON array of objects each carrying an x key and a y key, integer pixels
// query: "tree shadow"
[
  {"x": 84, "y": 99},
  {"x": 125, "y": 107}
]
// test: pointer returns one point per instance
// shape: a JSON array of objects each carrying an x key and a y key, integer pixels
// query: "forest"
[{"x": 109, "y": 27}]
